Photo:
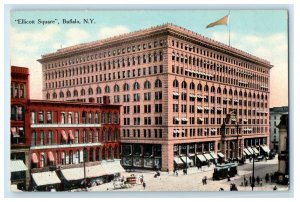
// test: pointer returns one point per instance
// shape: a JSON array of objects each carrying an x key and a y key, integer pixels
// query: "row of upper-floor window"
[
  {"x": 50, "y": 137},
  {"x": 147, "y": 133},
  {"x": 18, "y": 90},
  {"x": 43, "y": 117},
  {"x": 214, "y": 120},
  {"x": 147, "y": 121},
  {"x": 263, "y": 86},
  {"x": 74, "y": 156},
  {"x": 222, "y": 70},
  {"x": 192, "y": 132},
  {"x": 107, "y": 53},
  {"x": 107, "y": 89},
  {"x": 212, "y": 99},
  {"x": 215, "y": 55},
  {"x": 106, "y": 77},
  {"x": 219, "y": 90}
]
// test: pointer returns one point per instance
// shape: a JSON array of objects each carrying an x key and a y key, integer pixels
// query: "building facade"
[
  {"x": 175, "y": 87},
  {"x": 19, "y": 142},
  {"x": 54, "y": 138},
  {"x": 275, "y": 114}
]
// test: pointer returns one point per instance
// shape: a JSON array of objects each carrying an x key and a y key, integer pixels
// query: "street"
[{"x": 193, "y": 180}]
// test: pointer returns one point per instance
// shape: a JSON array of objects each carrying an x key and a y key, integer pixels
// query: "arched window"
[
  {"x": 116, "y": 88},
  {"x": 184, "y": 84},
  {"x": 240, "y": 94},
  {"x": 107, "y": 89},
  {"x": 158, "y": 83},
  {"x": 212, "y": 89},
  {"x": 136, "y": 86},
  {"x": 43, "y": 160},
  {"x": 54, "y": 95},
  {"x": 249, "y": 94},
  {"x": 245, "y": 94},
  {"x": 199, "y": 87},
  {"x": 219, "y": 90},
  {"x": 98, "y": 90},
  {"x": 206, "y": 88},
  {"x": 192, "y": 86},
  {"x": 230, "y": 91},
  {"x": 61, "y": 94},
  {"x": 175, "y": 83},
  {"x": 71, "y": 157},
  {"x": 225, "y": 91},
  {"x": 104, "y": 118},
  {"x": 68, "y": 93},
  {"x": 126, "y": 87},
  {"x": 82, "y": 92},
  {"x": 111, "y": 136},
  {"x": 235, "y": 92},
  {"x": 75, "y": 93},
  {"x": 254, "y": 96},
  {"x": 48, "y": 96},
  {"x": 110, "y": 117},
  {"x": 90, "y": 91},
  {"x": 147, "y": 85}
]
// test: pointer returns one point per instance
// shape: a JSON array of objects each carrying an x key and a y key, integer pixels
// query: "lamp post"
[
  {"x": 237, "y": 139},
  {"x": 253, "y": 178}
]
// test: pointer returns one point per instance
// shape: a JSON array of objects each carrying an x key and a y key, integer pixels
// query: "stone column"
[
  {"x": 283, "y": 144},
  {"x": 167, "y": 157}
]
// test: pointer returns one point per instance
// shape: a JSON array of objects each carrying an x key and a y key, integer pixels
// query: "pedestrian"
[
  {"x": 221, "y": 189},
  {"x": 246, "y": 183},
  {"x": 205, "y": 180},
  {"x": 267, "y": 178},
  {"x": 275, "y": 188},
  {"x": 168, "y": 171},
  {"x": 257, "y": 179},
  {"x": 144, "y": 185},
  {"x": 228, "y": 178},
  {"x": 250, "y": 159},
  {"x": 250, "y": 180},
  {"x": 176, "y": 173}
]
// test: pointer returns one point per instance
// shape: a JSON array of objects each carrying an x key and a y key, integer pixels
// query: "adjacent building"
[
  {"x": 275, "y": 114},
  {"x": 19, "y": 144},
  {"x": 61, "y": 143},
  {"x": 175, "y": 87}
]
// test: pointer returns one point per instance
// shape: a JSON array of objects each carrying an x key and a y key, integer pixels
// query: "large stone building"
[
  {"x": 53, "y": 141},
  {"x": 175, "y": 87},
  {"x": 275, "y": 114}
]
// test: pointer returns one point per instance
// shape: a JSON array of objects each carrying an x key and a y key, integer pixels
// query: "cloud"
[
  {"x": 31, "y": 41},
  {"x": 75, "y": 36},
  {"x": 273, "y": 48},
  {"x": 106, "y": 32}
]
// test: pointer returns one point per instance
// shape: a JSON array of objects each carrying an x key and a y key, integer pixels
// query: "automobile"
[{"x": 224, "y": 171}]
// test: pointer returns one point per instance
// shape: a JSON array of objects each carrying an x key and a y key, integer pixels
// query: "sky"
[{"x": 263, "y": 33}]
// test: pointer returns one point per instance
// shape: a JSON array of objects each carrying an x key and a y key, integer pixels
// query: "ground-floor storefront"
[{"x": 174, "y": 155}]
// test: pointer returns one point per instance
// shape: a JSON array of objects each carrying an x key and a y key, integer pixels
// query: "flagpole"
[{"x": 229, "y": 28}]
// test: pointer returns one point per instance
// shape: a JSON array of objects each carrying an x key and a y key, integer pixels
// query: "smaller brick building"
[{"x": 62, "y": 143}]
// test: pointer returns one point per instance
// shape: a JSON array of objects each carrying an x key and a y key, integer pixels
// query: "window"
[
  {"x": 158, "y": 95},
  {"x": 147, "y": 96},
  {"x": 147, "y": 85},
  {"x": 136, "y": 86},
  {"x": 50, "y": 137},
  {"x": 158, "y": 83}
]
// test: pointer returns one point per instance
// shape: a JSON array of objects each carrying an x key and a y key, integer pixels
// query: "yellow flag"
[{"x": 222, "y": 21}]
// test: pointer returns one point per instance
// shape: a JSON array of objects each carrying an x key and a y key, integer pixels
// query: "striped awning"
[
  {"x": 50, "y": 156},
  {"x": 177, "y": 160},
  {"x": 255, "y": 150},
  {"x": 214, "y": 155},
  {"x": 201, "y": 157},
  {"x": 71, "y": 135},
  {"x": 186, "y": 159},
  {"x": 34, "y": 158},
  {"x": 64, "y": 135},
  {"x": 250, "y": 150},
  {"x": 221, "y": 155},
  {"x": 17, "y": 165},
  {"x": 247, "y": 152},
  {"x": 208, "y": 156}
]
